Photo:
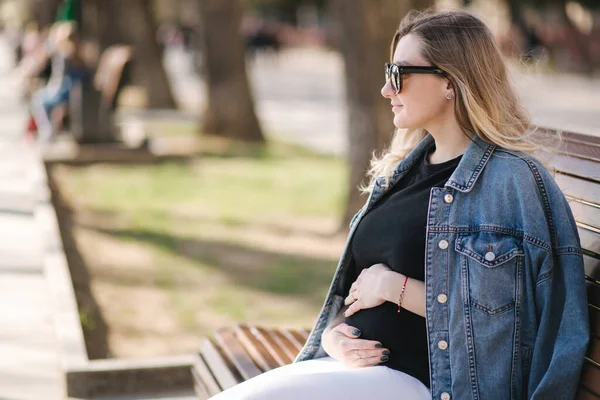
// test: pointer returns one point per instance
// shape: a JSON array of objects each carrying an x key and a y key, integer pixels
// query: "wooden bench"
[
  {"x": 578, "y": 175},
  {"x": 236, "y": 354},
  {"x": 242, "y": 352}
]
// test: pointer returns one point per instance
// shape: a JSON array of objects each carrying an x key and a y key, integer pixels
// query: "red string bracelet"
[{"x": 402, "y": 295}]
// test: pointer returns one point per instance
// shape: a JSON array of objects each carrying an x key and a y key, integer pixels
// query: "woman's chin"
[{"x": 400, "y": 122}]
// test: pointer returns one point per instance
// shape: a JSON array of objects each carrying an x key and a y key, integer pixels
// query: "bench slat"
[
  {"x": 217, "y": 365},
  {"x": 592, "y": 267},
  {"x": 578, "y": 188},
  {"x": 255, "y": 348},
  {"x": 585, "y": 213},
  {"x": 584, "y": 394},
  {"x": 285, "y": 344},
  {"x": 575, "y": 144},
  {"x": 271, "y": 345},
  {"x": 590, "y": 240},
  {"x": 594, "y": 314},
  {"x": 295, "y": 338},
  {"x": 236, "y": 354},
  {"x": 581, "y": 168},
  {"x": 203, "y": 378},
  {"x": 590, "y": 377},
  {"x": 593, "y": 293},
  {"x": 593, "y": 351}
]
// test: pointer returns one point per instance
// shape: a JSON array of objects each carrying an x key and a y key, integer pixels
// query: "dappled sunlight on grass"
[{"x": 210, "y": 243}]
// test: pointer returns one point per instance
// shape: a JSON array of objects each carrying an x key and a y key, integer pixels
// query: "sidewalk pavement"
[{"x": 29, "y": 366}]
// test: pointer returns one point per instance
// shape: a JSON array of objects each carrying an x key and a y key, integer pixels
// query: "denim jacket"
[{"x": 506, "y": 307}]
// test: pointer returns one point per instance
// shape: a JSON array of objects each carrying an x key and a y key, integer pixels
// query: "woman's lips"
[{"x": 396, "y": 108}]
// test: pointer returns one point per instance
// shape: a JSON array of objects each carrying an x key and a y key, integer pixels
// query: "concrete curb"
[{"x": 83, "y": 377}]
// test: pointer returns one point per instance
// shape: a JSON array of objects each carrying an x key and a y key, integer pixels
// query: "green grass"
[
  {"x": 197, "y": 220},
  {"x": 232, "y": 190}
]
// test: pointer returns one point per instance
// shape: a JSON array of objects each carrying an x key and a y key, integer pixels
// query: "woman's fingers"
[
  {"x": 354, "y": 307},
  {"x": 354, "y": 287},
  {"x": 371, "y": 361},
  {"x": 349, "y": 300},
  {"x": 362, "y": 353},
  {"x": 351, "y": 296},
  {"x": 347, "y": 330}
]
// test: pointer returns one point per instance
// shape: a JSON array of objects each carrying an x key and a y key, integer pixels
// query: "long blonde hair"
[{"x": 486, "y": 103}]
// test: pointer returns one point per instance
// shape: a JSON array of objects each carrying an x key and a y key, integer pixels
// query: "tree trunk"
[
  {"x": 230, "y": 110},
  {"x": 422, "y": 4},
  {"x": 44, "y": 11},
  {"x": 131, "y": 22},
  {"x": 364, "y": 33},
  {"x": 577, "y": 41}
]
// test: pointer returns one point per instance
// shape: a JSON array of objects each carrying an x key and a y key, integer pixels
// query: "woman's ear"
[{"x": 450, "y": 86}]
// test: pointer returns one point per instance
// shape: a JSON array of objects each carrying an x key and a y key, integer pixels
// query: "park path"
[{"x": 29, "y": 365}]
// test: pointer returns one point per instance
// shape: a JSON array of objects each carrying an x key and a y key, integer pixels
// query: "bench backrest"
[{"x": 578, "y": 174}]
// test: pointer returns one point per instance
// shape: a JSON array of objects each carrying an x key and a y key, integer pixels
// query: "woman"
[{"x": 462, "y": 277}]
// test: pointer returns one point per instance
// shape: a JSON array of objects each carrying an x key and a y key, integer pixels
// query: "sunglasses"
[{"x": 394, "y": 72}]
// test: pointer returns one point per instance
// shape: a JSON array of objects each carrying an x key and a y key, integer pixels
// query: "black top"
[{"x": 393, "y": 233}]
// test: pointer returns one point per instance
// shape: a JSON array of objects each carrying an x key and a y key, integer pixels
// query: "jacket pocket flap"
[{"x": 489, "y": 248}]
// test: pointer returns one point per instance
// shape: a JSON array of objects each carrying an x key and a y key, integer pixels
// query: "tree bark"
[
  {"x": 364, "y": 34},
  {"x": 423, "y": 4},
  {"x": 44, "y": 11},
  {"x": 230, "y": 110},
  {"x": 578, "y": 42},
  {"x": 131, "y": 22}
]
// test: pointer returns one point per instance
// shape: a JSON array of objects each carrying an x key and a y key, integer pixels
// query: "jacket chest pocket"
[{"x": 493, "y": 261}]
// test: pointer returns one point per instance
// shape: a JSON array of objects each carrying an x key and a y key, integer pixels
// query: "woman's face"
[{"x": 422, "y": 99}]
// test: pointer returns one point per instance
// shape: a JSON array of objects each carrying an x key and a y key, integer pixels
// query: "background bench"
[{"x": 240, "y": 353}]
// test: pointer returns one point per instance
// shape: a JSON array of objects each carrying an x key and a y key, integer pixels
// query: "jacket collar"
[
  {"x": 471, "y": 165},
  {"x": 466, "y": 173}
]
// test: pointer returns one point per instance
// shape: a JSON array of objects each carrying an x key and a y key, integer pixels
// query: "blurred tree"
[
  {"x": 132, "y": 22},
  {"x": 577, "y": 42},
  {"x": 230, "y": 107},
  {"x": 44, "y": 11},
  {"x": 364, "y": 33},
  {"x": 423, "y": 4},
  {"x": 283, "y": 10}
]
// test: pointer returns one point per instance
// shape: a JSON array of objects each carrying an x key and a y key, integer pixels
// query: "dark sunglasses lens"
[{"x": 393, "y": 74}]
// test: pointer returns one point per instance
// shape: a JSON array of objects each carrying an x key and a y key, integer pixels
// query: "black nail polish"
[
  {"x": 378, "y": 346},
  {"x": 356, "y": 332},
  {"x": 384, "y": 358},
  {"x": 386, "y": 353}
]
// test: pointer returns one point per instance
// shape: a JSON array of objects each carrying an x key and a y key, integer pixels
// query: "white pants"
[{"x": 328, "y": 379}]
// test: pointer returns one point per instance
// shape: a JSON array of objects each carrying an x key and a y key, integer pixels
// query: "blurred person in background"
[
  {"x": 62, "y": 49},
  {"x": 463, "y": 276}
]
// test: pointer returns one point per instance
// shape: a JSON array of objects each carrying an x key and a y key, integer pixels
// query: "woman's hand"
[
  {"x": 367, "y": 291},
  {"x": 342, "y": 343}
]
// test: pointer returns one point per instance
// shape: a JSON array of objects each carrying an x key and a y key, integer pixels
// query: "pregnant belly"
[
  {"x": 404, "y": 334},
  {"x": 384, "y": 324}
]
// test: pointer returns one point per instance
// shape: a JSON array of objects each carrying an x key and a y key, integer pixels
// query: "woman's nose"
[{"x": 386, "y": 90}]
